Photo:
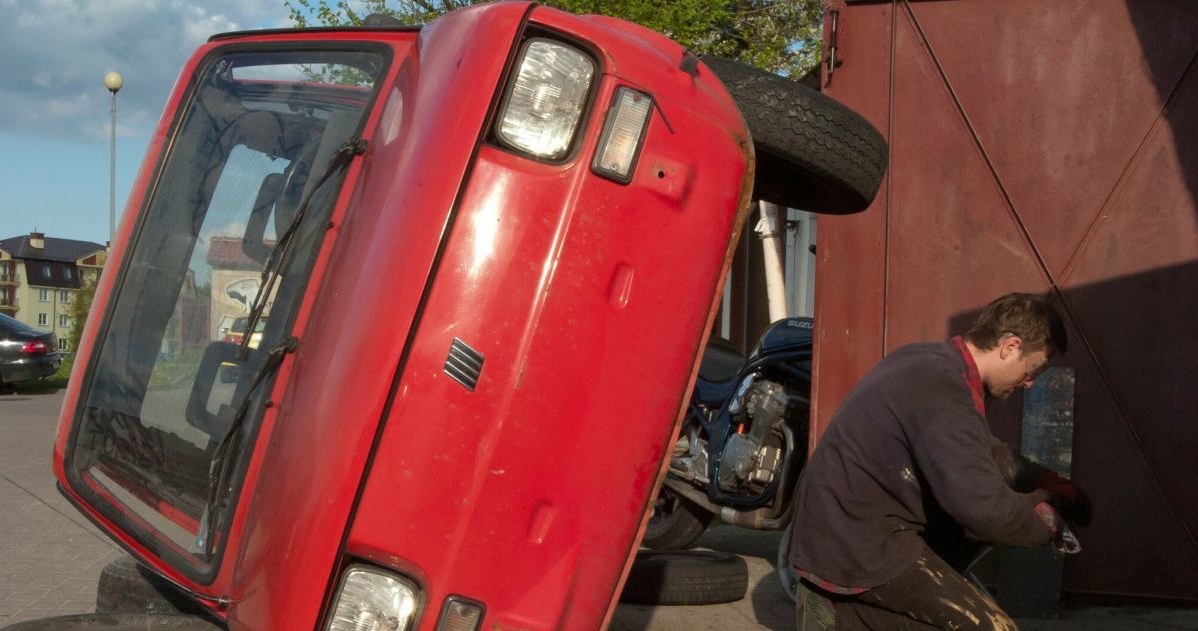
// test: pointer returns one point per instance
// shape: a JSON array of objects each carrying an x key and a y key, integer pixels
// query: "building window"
[
  {"x": 68, "y": 273},
  {"x": 43, "y": 319},
  {"x": 63, "y": 344},
  {"x": 43, "y": 295},
  {"x": 64, "y": 295},
  {"x": 62, "y": 320},
  {"x": 46, "y": 270}
]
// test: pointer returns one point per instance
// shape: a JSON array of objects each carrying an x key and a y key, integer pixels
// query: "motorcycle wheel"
[
  {"x": 676, "y": 522},
  {"x": 812, "y": 152},
  {"x": 786, "y": 574}
]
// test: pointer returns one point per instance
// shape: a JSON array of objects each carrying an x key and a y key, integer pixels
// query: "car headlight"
[
  {"x": 373, "y": 600},
  {"x": 541, "y": 112}
]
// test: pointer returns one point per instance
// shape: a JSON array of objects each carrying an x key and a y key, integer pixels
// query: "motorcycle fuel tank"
[{"x": 788, "y": 334}]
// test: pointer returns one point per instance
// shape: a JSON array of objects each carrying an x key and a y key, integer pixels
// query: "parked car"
[
  {"x": 26, "y": 353},
  {"x": 236, "y": 331},
  {"x": 230, "y": 372}
]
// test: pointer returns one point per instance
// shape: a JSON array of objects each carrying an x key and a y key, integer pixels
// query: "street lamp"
[{"x": 113, "y": 82}]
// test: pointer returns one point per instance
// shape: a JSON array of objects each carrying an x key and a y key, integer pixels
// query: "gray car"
[{"x": 25, "y": 352}]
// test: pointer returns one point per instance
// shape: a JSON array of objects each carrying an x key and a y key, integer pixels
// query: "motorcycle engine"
[{"x": 752, "y": 458}]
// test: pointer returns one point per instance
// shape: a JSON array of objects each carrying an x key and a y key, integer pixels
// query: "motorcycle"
[{"x": 743, "y": 442}]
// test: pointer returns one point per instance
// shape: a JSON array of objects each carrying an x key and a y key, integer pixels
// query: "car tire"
[
  {"x": 128, "y": 587},
  {"x": 812, "y": 152},
  {"x": 685, "y": 577},
  {"x": 676, "y": 522}
]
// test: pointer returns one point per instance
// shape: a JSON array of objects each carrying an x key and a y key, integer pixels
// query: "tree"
[
  {"x": 79, "y": 307},
  {"x": 781, "y": 36}
]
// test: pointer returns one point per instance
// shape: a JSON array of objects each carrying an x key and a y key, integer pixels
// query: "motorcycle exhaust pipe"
[{"x": 760, "y": 519}]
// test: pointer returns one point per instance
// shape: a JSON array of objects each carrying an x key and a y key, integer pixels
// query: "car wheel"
[
  {"x": 812, "y": 152},
  {"x": 128, "y": 587}
]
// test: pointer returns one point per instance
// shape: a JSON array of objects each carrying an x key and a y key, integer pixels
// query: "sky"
[{"x": 55, "y": 111}]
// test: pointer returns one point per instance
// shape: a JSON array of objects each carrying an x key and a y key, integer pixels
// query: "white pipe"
[{"x": 770, "y": 230}]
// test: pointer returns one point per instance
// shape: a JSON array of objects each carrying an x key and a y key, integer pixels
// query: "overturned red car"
[{"x": 483, "y": 255}]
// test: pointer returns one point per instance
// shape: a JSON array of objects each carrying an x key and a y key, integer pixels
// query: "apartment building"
[{"x": 40, "y": 275}]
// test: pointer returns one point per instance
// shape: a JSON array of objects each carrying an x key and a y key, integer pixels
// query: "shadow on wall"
[
  {"x": 1174, "y": 71},
  {"x": 1134, "y": 431}
]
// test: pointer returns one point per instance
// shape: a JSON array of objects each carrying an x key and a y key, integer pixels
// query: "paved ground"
[{"x": 50, "y": 556}]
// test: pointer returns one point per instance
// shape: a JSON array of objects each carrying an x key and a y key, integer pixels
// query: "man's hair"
[{"x": 1030, "y": 317}]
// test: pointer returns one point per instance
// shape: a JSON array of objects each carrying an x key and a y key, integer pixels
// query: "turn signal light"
[
  {"x": 623, "y": 135},
  {"x": 460, "y": 614}
]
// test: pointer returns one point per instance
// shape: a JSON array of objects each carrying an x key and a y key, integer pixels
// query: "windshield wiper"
[
  {"x": 222, "y": 455},
  {"x": 218, "y": 466}
]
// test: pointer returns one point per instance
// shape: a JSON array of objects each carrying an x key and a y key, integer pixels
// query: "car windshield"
[{"x": 253, "y": 161}]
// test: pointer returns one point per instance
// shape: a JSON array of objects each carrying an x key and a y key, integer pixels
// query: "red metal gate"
[{"x": 1048, "y": 147}]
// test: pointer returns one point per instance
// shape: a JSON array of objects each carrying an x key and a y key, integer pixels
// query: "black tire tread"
[
  {"x": 685, "y": 577},
  {"x": 127, "y": 587},
  {"x": 813, "y": 153}
]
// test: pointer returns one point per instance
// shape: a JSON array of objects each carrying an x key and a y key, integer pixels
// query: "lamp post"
[{"x": 113, "y": 81}]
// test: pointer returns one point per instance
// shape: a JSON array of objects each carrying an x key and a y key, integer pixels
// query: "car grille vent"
[{"x": 464, "y": 364}]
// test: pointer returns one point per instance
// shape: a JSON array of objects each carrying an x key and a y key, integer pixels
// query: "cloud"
[{"x": 56, "y": 53}]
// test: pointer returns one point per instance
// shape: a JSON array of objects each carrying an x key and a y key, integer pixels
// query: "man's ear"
[{"x": 1009, "y": 345}]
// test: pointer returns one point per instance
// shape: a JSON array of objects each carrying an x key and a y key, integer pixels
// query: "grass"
[{"x": 166, "y": 374}]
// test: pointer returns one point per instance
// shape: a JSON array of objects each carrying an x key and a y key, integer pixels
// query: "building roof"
[
  {"x": 51, "y": 274},
  {"x": 228, "y": 253},
  {"x": 62, "y": 250}
]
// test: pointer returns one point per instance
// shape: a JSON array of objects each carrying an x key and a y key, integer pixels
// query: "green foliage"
[
  {"x": 77, "y": 310},
  {"x": 60, "y": 378},
  {"x": 176, "y": 371},
  {"x": 305, "y": 13},
  {"x": 781, "y": 36}
]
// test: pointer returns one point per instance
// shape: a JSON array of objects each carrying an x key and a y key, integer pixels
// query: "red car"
[
  {"x": 236, "y": 332},
  {"x": 490, "y": 249}
]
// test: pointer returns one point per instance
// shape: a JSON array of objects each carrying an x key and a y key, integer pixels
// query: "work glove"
[
  {"x": 1067, "y": 498},
  {"x": 1063, "y": 539}
]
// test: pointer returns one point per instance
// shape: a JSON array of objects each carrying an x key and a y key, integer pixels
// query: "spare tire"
[
  {"x": 685, "y": 577},
  {"x": 812, "y": 153}
]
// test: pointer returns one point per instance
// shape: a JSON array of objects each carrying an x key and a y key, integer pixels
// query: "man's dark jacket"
[{"x": 907, "y": 442}]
